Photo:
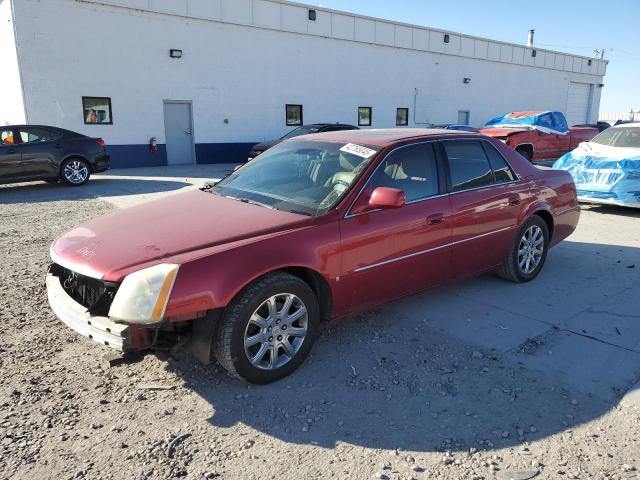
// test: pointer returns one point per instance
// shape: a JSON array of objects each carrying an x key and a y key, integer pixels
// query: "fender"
[{"x": 211, "y": 282}]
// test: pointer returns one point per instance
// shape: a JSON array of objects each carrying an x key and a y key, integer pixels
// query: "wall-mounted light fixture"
[
  {"x": 466, "y": 80},
  {"x": 174, "y": 53},
  {"x": 312, "y": 15}
]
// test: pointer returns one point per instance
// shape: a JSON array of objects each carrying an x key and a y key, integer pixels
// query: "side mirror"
[{"x": 383, "y": 197}]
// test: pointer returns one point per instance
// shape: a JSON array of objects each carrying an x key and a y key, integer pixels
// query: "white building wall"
[
  {"x": 243, "y": 60},
  {"x": 11, "y": 101}
]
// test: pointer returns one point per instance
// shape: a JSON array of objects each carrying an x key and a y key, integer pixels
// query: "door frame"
[{"x": 164, "y": 120}]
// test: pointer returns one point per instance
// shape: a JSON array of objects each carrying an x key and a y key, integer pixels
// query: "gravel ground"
[{"x": 383, "y": 396}]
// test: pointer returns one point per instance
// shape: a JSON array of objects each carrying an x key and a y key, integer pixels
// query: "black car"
[
  {"x": 303, "y": 130},
  {"x": 37, "y": 152}
]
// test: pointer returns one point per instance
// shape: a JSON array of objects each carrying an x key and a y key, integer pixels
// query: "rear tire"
[
  {"x": 75, "y": 172},
  {"x": 258, "y": 339},
  {"x": 528, "y": 252}
]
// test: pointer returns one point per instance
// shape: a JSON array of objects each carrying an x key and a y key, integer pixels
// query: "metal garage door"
[{"x": 578, "y": 102}]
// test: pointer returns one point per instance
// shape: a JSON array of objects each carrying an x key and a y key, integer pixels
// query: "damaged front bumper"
[{"x": 100, "y": 329}]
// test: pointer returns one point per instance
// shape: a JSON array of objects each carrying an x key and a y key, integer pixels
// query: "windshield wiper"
[{"x": 252, "y": 202}]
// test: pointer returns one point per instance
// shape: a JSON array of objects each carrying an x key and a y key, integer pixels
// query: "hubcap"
[
  {"x": 276, "y": 331},
  {"x": 530, "y": 249},
  {"x": 76, "y": 171}
]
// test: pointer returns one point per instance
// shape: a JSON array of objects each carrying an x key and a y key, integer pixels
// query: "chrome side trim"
[
  {"x": 411, "y": 255},
  {"x": 85, "y": 270}
]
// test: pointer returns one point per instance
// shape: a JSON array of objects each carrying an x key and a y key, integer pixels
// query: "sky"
[{"x": 571, "y": 26}]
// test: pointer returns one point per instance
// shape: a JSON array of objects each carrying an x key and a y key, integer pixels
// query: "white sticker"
[{"x": 358, "y": 150}]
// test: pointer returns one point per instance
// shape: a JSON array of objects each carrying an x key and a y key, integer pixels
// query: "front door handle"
[
  {"x": 435, "y": 219},
  {"x": 514, "y": 200},
  {"x": 58, "y": 145},
  {"x": 11, "y": 150}
]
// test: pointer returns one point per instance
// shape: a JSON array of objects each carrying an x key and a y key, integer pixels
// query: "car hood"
[
  {"x": 266, "y": 145},
  {"x": 501, "y": 131},
  {"x": 169, "y": 230}
]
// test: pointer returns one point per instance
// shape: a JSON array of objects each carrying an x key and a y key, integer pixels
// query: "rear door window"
[
  {"x": 468, "y": 165},
  {"x": 35, "y": 135}
]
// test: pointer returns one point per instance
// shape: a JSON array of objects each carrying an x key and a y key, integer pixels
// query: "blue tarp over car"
[
  {"x": 545, "y": 121},
  {"x": 607, "y": 169}
]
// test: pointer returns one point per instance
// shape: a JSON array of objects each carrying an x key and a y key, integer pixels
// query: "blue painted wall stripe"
[{"x": 132, "y": 156}]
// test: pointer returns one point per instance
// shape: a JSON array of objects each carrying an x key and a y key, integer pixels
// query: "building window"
[
  {"x": 364, "y": 116},
  {"x": 294, "y": 115},
  {"x": 312, "y": 15},
  {"x": 464, "y": 117},
  {"x": 97, "y": 110},
  {"x": 533, "y": 53},
  {"x": 446, "y": 38},
  {"x": 402, "y": 117}
]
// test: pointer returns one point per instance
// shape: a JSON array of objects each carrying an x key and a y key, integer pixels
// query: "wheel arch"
[
  {"x": 548, "y": 220},
  {"x": 525, "y": 146},
  {"x": 311, "y": 277}
]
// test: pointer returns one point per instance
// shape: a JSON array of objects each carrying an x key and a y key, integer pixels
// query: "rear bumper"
[
  {"x": 102, "y": 163},
  {"x": 99, "y": 329}
]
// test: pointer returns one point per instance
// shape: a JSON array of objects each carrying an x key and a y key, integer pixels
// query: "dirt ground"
[{"x": 446, "y": 385}]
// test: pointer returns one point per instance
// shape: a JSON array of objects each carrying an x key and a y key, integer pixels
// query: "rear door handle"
[
  {"x": 514, "y": 200},
  {"x": 435, "y": 219}
]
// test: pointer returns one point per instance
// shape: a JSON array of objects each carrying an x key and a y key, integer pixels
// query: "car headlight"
[{"x": 143, "y": 296}]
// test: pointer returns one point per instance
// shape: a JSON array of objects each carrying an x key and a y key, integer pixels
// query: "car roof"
[{"x": 383, "y": 137}]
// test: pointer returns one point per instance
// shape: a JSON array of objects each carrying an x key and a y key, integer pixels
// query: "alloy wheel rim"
[
  {"x": 76, "y": 171},
  {"x": 530, "y": 250},
  {"x": 276, "y": 331}
]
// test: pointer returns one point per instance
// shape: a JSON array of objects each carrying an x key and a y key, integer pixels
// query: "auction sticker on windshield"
[{"x": 358, "y": 150}]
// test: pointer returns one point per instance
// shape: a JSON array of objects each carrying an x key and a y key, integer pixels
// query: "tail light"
[{"x": 101, "y": 143}]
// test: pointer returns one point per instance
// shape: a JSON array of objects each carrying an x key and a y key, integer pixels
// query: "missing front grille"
[{"x": 95, "y": 295}]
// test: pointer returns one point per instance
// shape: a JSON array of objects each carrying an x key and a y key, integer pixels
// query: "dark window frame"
[
  {"x": 84, "y": 117},
  {"x": 406, "y": 124},
  {"x": 360, "y": 124},
  {"x": 286, "y": 115}
]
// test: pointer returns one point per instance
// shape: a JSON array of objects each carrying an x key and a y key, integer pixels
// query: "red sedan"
[{"x": 317, "y": 228}]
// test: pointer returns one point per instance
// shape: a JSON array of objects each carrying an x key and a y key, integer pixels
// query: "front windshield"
[
  {"x": 623, "y": 137},
  {"x": 304, "y": 130},
  {"x": 298, "y": 176}
]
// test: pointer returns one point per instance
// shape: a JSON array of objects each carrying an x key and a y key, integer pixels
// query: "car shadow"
[
  {"x": 432, "y": 372},
  {"x": 613, "y": 210},
  {"x": 96, "y": 188}
]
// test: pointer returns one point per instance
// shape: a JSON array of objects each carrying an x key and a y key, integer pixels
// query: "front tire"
[
  {"x": 268, "y": 329},
  {"x": 528, "y": 252},
  {"x": 75, "y": 172}
]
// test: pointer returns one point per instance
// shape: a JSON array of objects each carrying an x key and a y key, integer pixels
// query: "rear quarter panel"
[
  {"x": 581, "y": 134},
  {"x": 550, "y": 190}
]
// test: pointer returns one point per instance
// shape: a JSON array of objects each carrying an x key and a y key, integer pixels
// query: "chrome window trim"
[
  {"x": 422, "y": 252},
  {"x": 518, "y": 178}
]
